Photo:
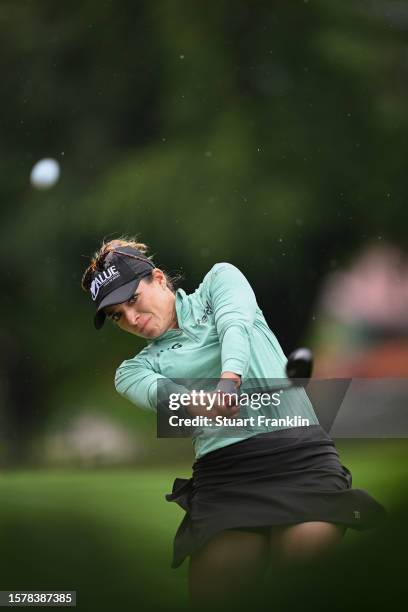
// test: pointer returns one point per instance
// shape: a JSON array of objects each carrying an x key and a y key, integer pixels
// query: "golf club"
[{"x": 299, "y": 365}]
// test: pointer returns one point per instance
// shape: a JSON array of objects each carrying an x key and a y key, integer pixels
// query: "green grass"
[
  {"x": 380, "y": 466},
  {"x": 108, "y": 533},
  {"x": 109, "y": 530}
]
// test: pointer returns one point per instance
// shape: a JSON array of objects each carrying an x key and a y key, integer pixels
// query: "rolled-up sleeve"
[{"x": 235, "y": 307}]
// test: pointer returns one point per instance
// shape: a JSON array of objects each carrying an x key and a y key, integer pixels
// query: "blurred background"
[{"x": 267, "y": 134}]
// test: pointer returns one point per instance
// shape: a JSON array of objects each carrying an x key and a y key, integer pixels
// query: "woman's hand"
[
  {"x": 232, "y": 376},
  {"x": 214, "y": 404},
  {"x": 224, "y": 401}
]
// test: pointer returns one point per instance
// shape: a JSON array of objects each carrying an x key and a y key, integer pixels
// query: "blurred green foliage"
[{"x": 271, "y": 135}]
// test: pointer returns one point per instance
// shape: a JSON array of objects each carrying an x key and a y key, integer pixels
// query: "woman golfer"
[{"x": 280, "y": 491}]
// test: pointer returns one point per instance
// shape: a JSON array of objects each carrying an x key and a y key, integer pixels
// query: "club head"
[{"x": 300, "y": 364}]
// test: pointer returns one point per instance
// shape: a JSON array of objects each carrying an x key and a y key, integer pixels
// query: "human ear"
[{"x": 158, "y": 275}]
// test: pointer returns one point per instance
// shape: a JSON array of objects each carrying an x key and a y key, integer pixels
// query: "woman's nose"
[{"x": 131, "y": 316}]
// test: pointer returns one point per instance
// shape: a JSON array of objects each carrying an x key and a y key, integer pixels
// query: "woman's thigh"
[
  {"x": 230, "y": 561},
  {"x": 304, "y": 541}
]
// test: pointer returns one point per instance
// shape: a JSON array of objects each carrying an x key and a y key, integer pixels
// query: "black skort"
[{"x": 282, "y": 477}]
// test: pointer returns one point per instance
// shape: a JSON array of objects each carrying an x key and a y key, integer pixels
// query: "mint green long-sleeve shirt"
[{"x": 221, "y": 329}]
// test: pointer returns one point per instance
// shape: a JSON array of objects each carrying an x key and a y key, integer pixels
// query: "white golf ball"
[{"x": 45, "y": 173}]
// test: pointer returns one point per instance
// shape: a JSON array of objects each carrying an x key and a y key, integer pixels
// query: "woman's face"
[{"x": 149, "y": 312}]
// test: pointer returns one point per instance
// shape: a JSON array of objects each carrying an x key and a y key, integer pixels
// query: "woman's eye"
[
  {"x": 133, "y": 299},
  {"x": 115, "y": 317}
]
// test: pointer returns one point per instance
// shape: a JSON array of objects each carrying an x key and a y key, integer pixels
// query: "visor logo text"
[{"x": 105, "y": 277}]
